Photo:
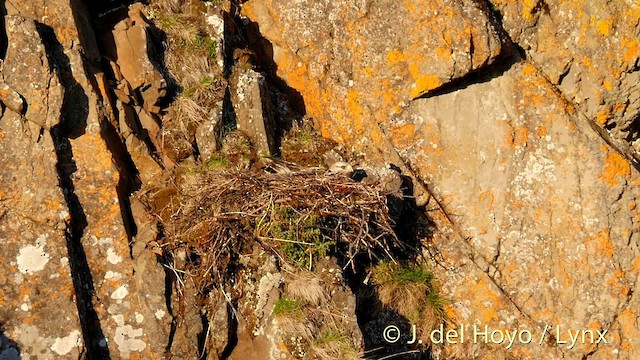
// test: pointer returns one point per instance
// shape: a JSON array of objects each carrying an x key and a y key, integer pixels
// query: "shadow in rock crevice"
[
  {"x": 375, "y": 319},
  {"x": 478, "y": 76},
  {"x": 286, "y": 104},
  {"x": 82, "y": 279},
  {"x": 9, "y": 349},
  {"x": 85, "y": 16},
  {"x": 73, "y": 122},
  {"x": 4, "y": 40},
  {"x": 75, "y": 103},
  {"x": 510, "y": 54}
]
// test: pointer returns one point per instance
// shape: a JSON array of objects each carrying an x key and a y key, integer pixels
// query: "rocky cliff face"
[
  {"x": 518, "y": 120},
  {"x": 515, "y": 121}
]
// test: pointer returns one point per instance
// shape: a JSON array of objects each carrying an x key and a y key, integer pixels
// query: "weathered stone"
[
  {"x": 11, "y": 99},
  {"x": 543, "y": 205},
  {"x": 129, "y": 50},
  {"x": 76, "y": 278},
  {"x": 360, "y": 62},
  {"x": 208, "y": 132},
  {"x": 590, "y": 51},
  {"x": 27, "y": 71},
  {"x": 535, "y": 210},
  {"x": 37, "y": 309},
  {"x": 215, "y": 27},
  {"x": 252, "y": 105}
]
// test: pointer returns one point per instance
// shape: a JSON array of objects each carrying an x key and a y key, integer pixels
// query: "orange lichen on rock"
[
  {"x": 379, "y": 80},
  {"x": 616, "y": 284},
  {"x": 616, "y": 167},
  {"x": 603, "y": 243},
  {"x": 486, "y": 312},
  {"x": 403, "y": 135}
]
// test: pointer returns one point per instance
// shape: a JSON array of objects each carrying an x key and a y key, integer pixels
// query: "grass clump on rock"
[
  {"x": 288, "y": 307},
  {"x": 410, "y": 290}
]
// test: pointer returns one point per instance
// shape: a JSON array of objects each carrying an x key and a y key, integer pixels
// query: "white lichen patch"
[
  {"x": 139, "y": 318},
  {"x": 101, "y": 241},
  {"x": 112, "y": 275},
  {"x": 63, "y": 214},
  {"x": 32, "y": 258},
  {"x": 159, "y": 314},
  {"x": 112, "y": 257},
  {"x": 120, "y": 293},
  {"x": 64, "y": 345},
  {"x": 538, "y": 169},
  {"x": 118, "y": 319},
  {"x": 126, "y": 339},
  {"x": 37, "y": 343}
]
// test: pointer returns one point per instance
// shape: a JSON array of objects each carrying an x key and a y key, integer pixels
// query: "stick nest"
[{"x": 298, "y": 215}]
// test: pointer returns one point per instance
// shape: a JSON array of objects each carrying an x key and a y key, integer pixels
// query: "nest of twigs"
[{"x": 293, "y": 215}]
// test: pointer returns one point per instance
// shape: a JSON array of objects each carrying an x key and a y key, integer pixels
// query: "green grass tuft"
[
  {"x": 301, "y": 238},
  {"x": 217, "y": 162},
  {"x": 199, "y": 42},
  {"x": 288, "y": 307},
  {"x": 388, "y": 272}
]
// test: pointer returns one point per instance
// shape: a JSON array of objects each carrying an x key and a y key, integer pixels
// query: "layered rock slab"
[
  {"x": 37, "y": 309},
  {"x": 590, "y": 51},
  {"x": 77, "y": 274},
  {"x": 362, "y": 61},
  {"x": 546, "y": 210}
]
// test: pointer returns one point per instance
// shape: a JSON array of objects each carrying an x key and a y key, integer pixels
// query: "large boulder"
[{"x": 355, "y": 63}]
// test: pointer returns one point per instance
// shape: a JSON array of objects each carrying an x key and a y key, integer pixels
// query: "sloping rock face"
[
  {"x": 361, "y": 62},
  {"x": 589, "y": 50},
  {"x": 517, "y": 118},
  {"x": 74, "y": 273}
]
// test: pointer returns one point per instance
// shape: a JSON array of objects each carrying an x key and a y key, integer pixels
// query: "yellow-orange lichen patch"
[
  {"x": 423, "y": 82},
  {"x": 616, "y": 284},
  {"x": 443, "y": 54},
  {"x": 635, "y": 265},
  {"x": 604, "y": 26},
  {"x": 603, "y": 117},
  {"x": 298, "y": 77},
  {"x": 529, "y": 70},
  {"x": 631, "y": 50},
  {"x": 541, "y": 131},
  {"x": 627, "y": 320},
  {"x": 616, "y": 167},
  {"x": 521, "y": 136},
  {"x": 491, "y": 301},
  {"x": 394, "y": 57},
  {"x": 403, "y": 135},
  {"x": 528, "y": 7},
  {"x": 603, "y": 243},
  {"x": 607, "y": 85}
]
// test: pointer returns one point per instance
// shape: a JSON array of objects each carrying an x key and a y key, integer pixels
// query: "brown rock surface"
[
  {"x": 76, "y": 278},
  {"x": 360, "y": 62},
  {"x": 31, "y": 76},
  {"x": 252, "y": 106}
]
